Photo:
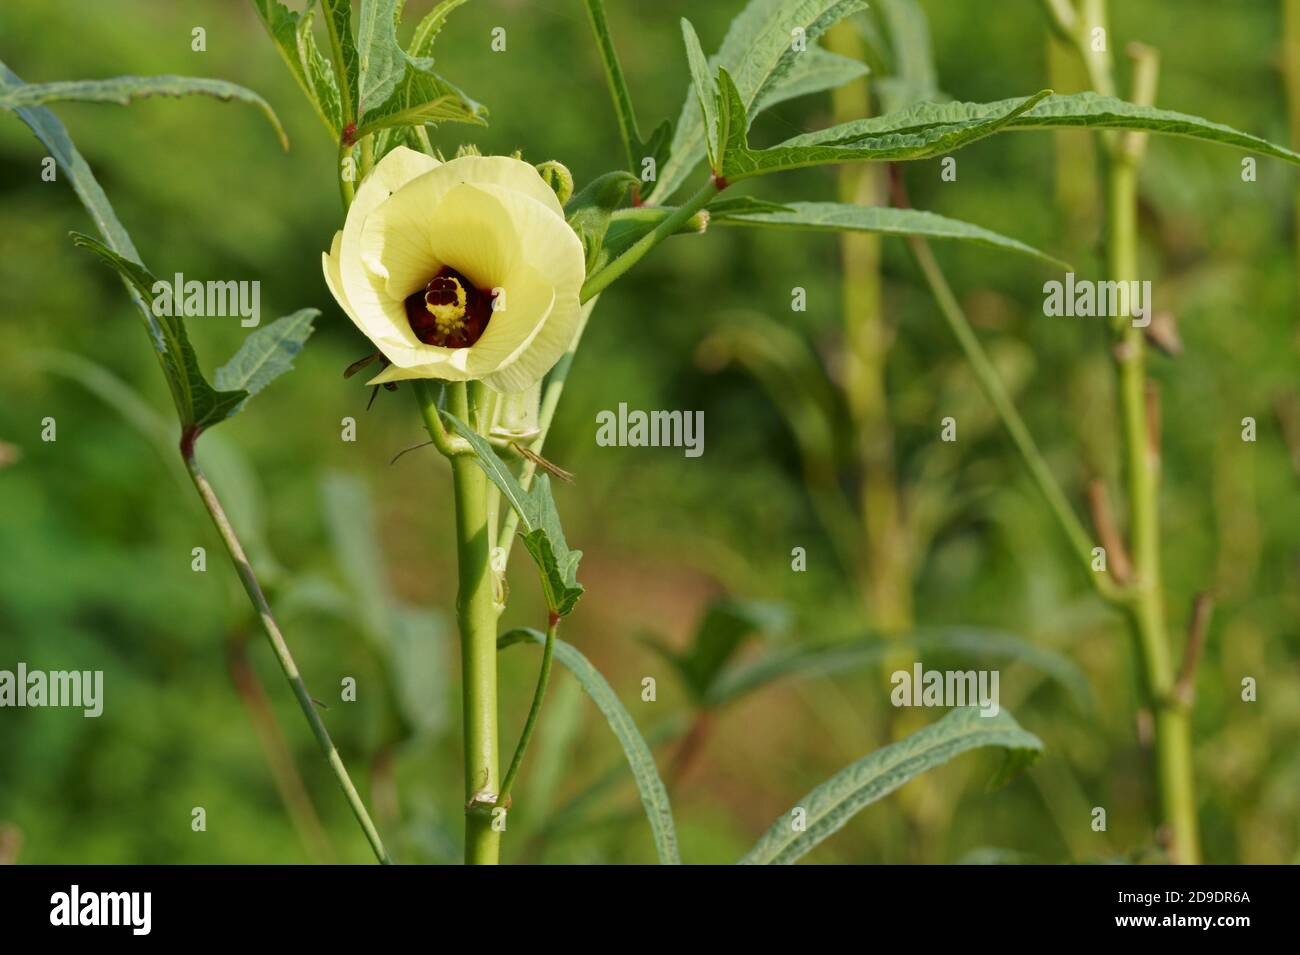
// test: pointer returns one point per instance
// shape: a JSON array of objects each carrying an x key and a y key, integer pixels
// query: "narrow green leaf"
[
  {"x": 539, "y": 523},
  {"x": 123, "y": 89},
  {"x": 497, "y": 472},
  {"x": 550, "y": 551},
  {"x": 291, "y": 33},
  {"x": 804, "y": 661},
  {"x": 589, "y": 211},
  {"x": 1092, "y": 111},
  {"x": 916, "y": 133},
  {"x": 636, "y": 148},
  {"x": 282, "y": 24},
  {"x": 931, "y": 129},
  {"x": 321, "y": 86},
  {"x": 266, "y": 353},
  {"x": 913, "y": 76},
  {"x": 47, "y": 128},
  {"x": 706, "y": 94},
  {"x": 197, "y": 402},
  {"x": 831, "y": 805},
  {"x": 429, "y": 28},
  {"x": 841, "y": 217},
  {"x": 654, "y": 797},
  {"x": 759, "y": 50}
]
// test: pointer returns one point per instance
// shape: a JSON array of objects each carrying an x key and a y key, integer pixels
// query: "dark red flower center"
[{"x": 450, "y": 311}]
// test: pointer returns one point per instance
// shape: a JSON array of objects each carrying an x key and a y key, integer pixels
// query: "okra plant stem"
[
  {"x": 1172, "y": 731},
  {"x": 476, "y": 616},
  {"x": 282, "y": 654},
  {"x": 1145, "y": 606}
]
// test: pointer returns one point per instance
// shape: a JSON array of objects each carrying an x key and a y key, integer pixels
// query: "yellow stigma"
[{"x": 445, "y": 300}]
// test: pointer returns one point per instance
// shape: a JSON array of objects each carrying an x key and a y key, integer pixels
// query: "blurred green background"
[{"x": 96, "y": 529}]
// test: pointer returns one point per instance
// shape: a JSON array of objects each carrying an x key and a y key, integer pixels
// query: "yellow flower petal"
[
  {"x": 494, "y": 220},
  {"x": 364, "y": 302}
]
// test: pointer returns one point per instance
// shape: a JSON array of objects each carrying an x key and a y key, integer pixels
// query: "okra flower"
[{"x": 459, "y": 270}]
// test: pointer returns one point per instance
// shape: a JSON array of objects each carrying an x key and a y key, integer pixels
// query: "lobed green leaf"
[
  {"x": 759, "y": 52},
  {"x": 381, "y": 62},
  {"x": 930, "y": 129},
  {"x": 197, "y": 402},
  {"x": 422, "y": 96}
]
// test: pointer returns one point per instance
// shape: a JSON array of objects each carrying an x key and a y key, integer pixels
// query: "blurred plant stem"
[
  {"x": 886, "y": 571},
  {"x": 288, "y": 781},
  {"x": 991, "y": 384},
  {"x": 1139, "y": 421},
  {"x": 282, "y": 654}
]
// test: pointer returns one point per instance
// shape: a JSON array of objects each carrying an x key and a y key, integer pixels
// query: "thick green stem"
[
  {"x": 282, "y": 654},
  {"x": 477, "y": 618},
  {"x": 447, "y": 444},
  {"x": 1142, "y": 471},
  {"x": 543, "y": 678},
  {"x": 1145, "y": 600}
]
